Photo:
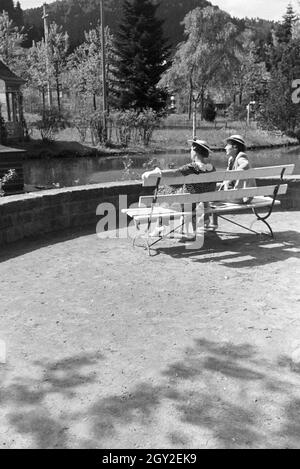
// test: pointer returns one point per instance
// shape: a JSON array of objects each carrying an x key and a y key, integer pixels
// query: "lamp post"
[
  {"x": 248, "y": 111},
  {"x": 195, "y": 102}
]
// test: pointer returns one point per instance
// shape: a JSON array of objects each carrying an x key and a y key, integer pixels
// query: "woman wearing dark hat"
[{"x": 200, "y": 163}]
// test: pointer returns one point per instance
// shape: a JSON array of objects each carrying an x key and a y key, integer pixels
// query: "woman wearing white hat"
[
  {"x": 237, "y": 161},
  {"x": 200, "y": 163}
]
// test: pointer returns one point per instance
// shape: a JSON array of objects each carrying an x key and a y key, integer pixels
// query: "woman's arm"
[
  {"x": 242, "y": 163},
  {"x": 159, "y": 173}
]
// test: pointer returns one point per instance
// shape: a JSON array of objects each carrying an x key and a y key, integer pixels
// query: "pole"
[
  {"x": 46, "y": 35},
  {"x": 103, "y": 71},
  {"x": 194, "y": 119}
]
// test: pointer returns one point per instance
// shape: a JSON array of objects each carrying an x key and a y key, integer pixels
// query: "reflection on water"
[{"x": 82, "y": 170}]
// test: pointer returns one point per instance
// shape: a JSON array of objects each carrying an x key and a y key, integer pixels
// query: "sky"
[{"x": 272, "y": 9}]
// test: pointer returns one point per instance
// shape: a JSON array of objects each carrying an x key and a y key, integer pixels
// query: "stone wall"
[{"x": 34, "y": 214}]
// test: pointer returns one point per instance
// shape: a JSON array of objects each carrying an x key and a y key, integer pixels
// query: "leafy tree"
[
  {"x": 277, "y": 109},
  {"x": 58, "y": 44},
  {"x": 7, "y": 6},
  {"x": 10, "y": 40},
  {"x": 260, "y": 36},
  {"x": 250, "y": 74},
  {"x": 207, "y": 56},
  {"x": 142, "y": 57},
  {"x": 37, "y": 75},
  {"x": 46, "y": 64},
  {"x": 84, "y": 64}
]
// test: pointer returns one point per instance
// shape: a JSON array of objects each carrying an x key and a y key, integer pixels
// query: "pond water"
[{"x": 66, "y": 172}]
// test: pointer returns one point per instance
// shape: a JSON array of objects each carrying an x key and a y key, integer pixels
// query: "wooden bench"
[{"x": 181, "y": 206}]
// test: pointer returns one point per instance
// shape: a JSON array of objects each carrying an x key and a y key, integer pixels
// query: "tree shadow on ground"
[
  {"x": 19, "y": 248},
  {"x": 26, "y": 398},
  {"x": 209, "y": 392},
  {"x": 240, "y": 250},
  {"x": 226, "y": 394}
]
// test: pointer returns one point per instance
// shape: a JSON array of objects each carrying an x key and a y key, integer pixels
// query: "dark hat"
[{"x": 200, "y": 143}]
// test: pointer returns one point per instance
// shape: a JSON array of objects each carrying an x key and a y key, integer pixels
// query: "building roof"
[{"x": 8, "y": 76}]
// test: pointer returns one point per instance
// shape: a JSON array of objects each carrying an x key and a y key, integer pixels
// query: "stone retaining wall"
[{"x": 34, "y": 214}]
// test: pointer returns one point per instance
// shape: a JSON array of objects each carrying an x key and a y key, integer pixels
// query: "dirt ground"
[{"x": 108, "y": 348}]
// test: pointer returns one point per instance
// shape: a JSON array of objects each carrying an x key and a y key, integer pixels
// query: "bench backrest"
[
  {"x": 223, "y": 175},
  {"x": 217, "y": 176}
]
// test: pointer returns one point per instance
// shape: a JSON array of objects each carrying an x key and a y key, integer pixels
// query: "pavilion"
[{"x": 11, "y": 102}]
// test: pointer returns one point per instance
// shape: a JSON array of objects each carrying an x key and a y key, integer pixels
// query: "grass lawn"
[
  {"x": 167, "y": 138},
  {"x": 216, "y": 133}
]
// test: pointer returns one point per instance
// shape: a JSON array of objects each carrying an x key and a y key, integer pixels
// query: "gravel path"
[{"x": 108, "y": 348}]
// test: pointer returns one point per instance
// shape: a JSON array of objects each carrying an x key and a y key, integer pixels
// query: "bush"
[
  {"x": 124, "y": 123},
  {"x": 128, "y": 171},
  {"x": 137, "y": 127},
  {"x": 146, "y": 122},
  {"x": 51, "y": 122},
  {"x": 11, "y": 174},
  {"x": 81, "y": 123},
  {"x": 293, "y": 133},
  {"x": 237, "y": 112},
  {"x": 97, "y": 127},
  {"x": 209, "y": 111}
]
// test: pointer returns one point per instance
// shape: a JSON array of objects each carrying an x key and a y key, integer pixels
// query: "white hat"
[
  {"x": 200, "y": 143},
  {"x": 236, "y": 138}
]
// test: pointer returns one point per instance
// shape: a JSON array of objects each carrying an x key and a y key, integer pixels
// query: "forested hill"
[{"x": 77, "y": 16}]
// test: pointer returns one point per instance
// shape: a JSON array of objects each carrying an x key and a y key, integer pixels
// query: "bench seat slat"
[
  {"x": 217, "y": 196},
  {"x": 219, "y": 176},
  {"x": 231, "y": 207},
  {"x": 143, "y": 213}
]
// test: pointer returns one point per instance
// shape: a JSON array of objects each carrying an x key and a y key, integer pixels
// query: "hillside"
[{"x": 77, "y": 16}]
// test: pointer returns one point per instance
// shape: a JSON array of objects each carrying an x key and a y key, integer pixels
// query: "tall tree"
[
  {"x": 37, "y": 73},
  {"x": 208, "y": 55},
  {"x": 8, "y": 6},
  {"x": 18, "y": 15},
  {"x": 277, "y": 108},
  {"x": 58, "y": 44},
  {"x": 15, "y": 13},
  {"x": 84, "y": 64},
  {"x": 142, "y": 57},
  {"x": 10, "y": 39},
  {"x": 284, "y": 32},
  {"x": 250, "y": 75}
]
